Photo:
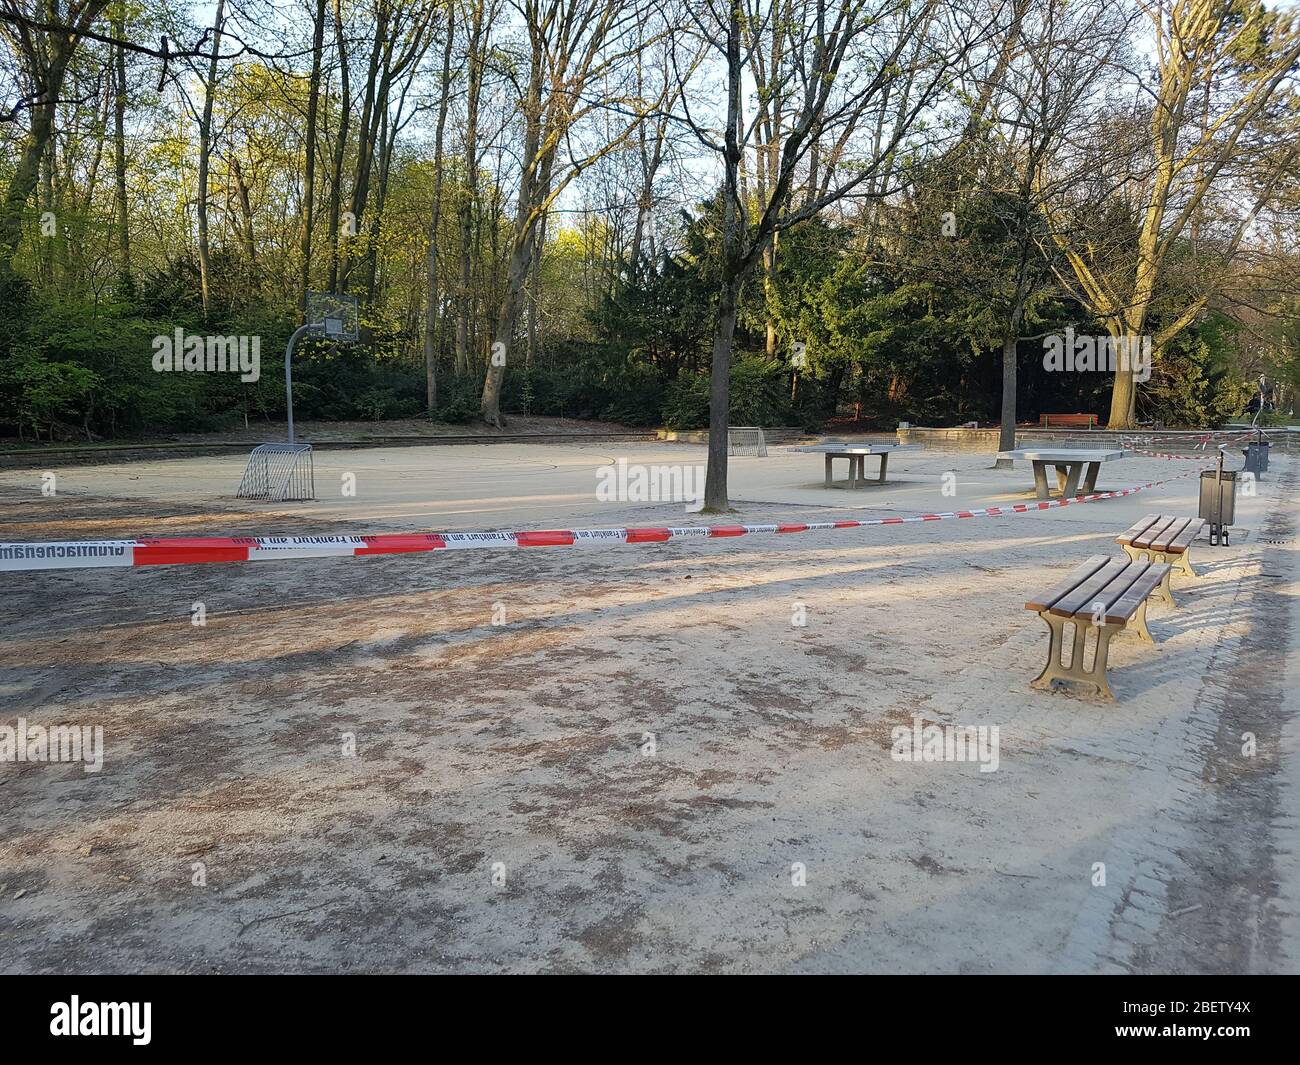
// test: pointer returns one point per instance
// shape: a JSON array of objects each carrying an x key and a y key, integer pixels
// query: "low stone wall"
[
  {"x": 951, "y": 439},
  {"x": 39, "y": 458},
  {"x": 42, "y": 458},
  {"x": 778, "y": 435},
  {"x": 986, "y": 440}
]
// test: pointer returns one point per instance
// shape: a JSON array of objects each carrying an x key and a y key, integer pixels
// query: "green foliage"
[
  {"x": 1192, "y": 381},
  {"x": 914, "y": 333},
  {"x": 663, "y": 316},
  {"x": 589, "y": 380},
  {"x": 42, "y": 392},
  {"x": 686, "y": 405},
  {"x": 760, "y": 392},
  {"x": 72, "y": 364},
  {"x": 898, "y": 317},
  {"x": 760, "y": 395},
  {"x": 458, "y": 400}
]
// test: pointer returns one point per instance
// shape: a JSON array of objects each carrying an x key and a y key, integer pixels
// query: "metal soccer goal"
[
  {"x": 746, "y": 440},
  {"x": 279, "y": 472}
]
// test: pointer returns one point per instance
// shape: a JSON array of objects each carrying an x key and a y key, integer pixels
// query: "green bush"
[
  {"x": 1193, "y": 382},
  {"x": 459, "y": 400},
  {"x": 587, "y": 380},
  {"x": 760, "y": 395},
  {"x": 43, "y": 393},
  {"x": 808, "y": 411},
  {"x": 634, "y": 394},
  {"x": 760, "y": 392},
  {"x": 686, "y": 403}
]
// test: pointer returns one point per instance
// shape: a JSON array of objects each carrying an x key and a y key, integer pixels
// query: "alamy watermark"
[
  {"x": 635, "y": 483},
  {"x": 129, "y": 1019},
  {"x": 946, "y": 743},
  {"x": 1080, "y": 354},
  {"x": 59, "y": 743},
  {"x": 208, "y": 354}
]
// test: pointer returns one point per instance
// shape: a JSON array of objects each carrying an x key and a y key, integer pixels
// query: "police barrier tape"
[
  {"x": 95, "y": 554},
  {"x": 1202, "y": 447},
  {"x": 1129, "y": 446}
]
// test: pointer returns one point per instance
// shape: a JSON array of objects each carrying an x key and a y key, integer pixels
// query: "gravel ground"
[{"x": 631, "y": 759}]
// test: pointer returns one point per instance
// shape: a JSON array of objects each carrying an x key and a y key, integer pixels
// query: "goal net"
[
  {"x": 278, "y": 472},
  {"x": 746, "y": 440}
]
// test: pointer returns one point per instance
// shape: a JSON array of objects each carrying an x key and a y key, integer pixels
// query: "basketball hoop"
[{"x": 285, "y": 471}]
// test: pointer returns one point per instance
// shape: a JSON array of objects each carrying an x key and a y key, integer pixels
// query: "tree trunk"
[
  {"x": 507, "y": 319},
  {"x": 245, "y": 213},
  {"x": 205, "y": 159},
  {"x": 470, "y": 192},
  {"x": 340, "y": 146},
  {"x": 534, "y": 184},
  {"x": 125, "y": 283},
  {"x": 535, "y": 296},
  {"x": 724, "y": 332},
  {"x": 374, "y": 103},
  {"x": 431, "y": 312},
  {"x": 724, "y": 327},
  {"x": 1123, "y": 396},
  {"x": 26, "y": 174},
  {"x": 769, "y": 292},
  {"x": 309, "y": 166},
  {"x": 1007, "y": 435},
  {"x": 51, "y": 246},
  {"x": 388, "y": 130}
]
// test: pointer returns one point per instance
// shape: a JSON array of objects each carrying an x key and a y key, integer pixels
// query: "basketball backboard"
[{"x": 333, "y": 315}]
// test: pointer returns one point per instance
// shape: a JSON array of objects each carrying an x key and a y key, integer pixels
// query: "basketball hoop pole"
[
  {"x": 288, "y": 371},
  {"x": 333, "y": 314}
]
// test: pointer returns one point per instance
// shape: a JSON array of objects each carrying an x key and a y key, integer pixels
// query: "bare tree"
[
  {"x": 402, "y": 35},
  {"x": 1220, "y": 136},
  {"x": 45, "y": 35},
  {"x": 480, "y": 12},
  {"x": 838, "y": 60},
  {"x": 573, "y": 46},
  {"x": 435, "y": 214},
  {"x": 205, "y": 156},
  {"x": 1047, "y": 65},
  {"x": 652, "y": 142},
  {"x": 335, "y": 208},
  {"x": 309, "y": 151}
]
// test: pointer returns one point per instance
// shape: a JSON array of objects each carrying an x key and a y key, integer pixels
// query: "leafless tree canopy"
[{"x": 538, "y": 202}]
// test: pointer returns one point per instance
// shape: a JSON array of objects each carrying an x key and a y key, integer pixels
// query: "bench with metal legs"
[
  {"x": 1163, "y": 538},
  {"x": 1103, "y": 596}
]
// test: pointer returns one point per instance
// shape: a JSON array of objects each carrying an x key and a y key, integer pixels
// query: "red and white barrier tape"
[
  {"x": 1202, "y": 445},
  {"x": 94, "y": 554},
  {"x": 1163, "y": 454}
]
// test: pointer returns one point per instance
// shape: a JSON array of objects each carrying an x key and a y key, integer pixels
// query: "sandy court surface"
[
  {"x": 620, "y": 759},
  {"x": 475, "y": 486}
]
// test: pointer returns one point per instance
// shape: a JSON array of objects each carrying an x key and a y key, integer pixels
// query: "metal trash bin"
[
  {"x": 1218, "y": 501},
  {"x": 1256, "y": 457}
]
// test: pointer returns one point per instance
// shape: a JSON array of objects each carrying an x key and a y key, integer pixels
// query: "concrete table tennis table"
[
  {"x": 857, "y": 456},
  {"x": 1069, "y": 463}
]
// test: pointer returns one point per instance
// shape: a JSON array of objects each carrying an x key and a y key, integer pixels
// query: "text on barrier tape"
[{"x": 177, "y": 551}]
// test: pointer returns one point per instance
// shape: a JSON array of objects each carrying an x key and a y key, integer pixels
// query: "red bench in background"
[{"x": 1068, "y": 421}]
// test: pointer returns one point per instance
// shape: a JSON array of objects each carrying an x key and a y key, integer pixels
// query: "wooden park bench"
[
  {"x": 1163, "y": 538},
  {"x": 1103, "y": 596},
  {"x": 1068, "y": 421}
]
